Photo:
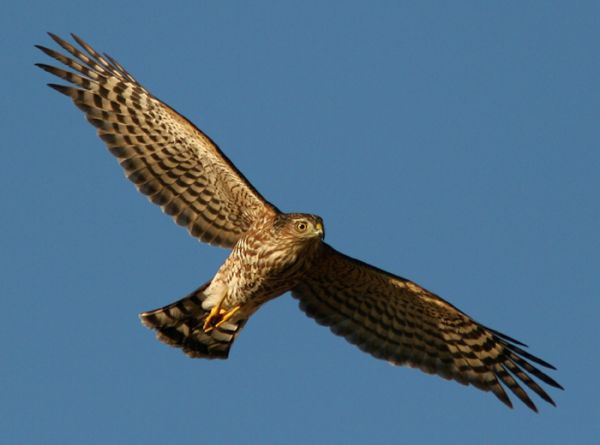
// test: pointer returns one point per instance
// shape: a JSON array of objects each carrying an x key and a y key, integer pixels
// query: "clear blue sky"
[{"x": 454, "y": 143}]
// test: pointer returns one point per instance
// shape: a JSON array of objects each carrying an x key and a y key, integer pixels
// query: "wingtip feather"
[{"x": 63, "y": 89}]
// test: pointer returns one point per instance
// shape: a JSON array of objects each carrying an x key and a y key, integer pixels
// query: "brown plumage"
[{"x": 180, "y": 169}]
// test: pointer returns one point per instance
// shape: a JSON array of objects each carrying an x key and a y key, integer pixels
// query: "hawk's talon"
[{"x": 217, "y": 316}]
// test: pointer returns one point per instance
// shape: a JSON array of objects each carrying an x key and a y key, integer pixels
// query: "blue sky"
[{"x": 454, "y": 143}]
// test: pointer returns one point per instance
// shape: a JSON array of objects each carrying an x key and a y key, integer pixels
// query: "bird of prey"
[{"x": 182, "y": 170}]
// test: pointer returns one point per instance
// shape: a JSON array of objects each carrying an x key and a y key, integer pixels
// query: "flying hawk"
[{"x": 183, "y": 171}]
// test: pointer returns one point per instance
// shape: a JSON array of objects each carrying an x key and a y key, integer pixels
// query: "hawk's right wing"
[
  {"x": 171, "y": 161},
  {"x": 396, "y": 320}
]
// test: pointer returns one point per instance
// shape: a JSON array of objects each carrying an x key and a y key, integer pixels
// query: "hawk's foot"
[{"x": 217, "y": 316}]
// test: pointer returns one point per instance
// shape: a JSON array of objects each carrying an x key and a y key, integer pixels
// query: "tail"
[{"x": 180, "y": 324}]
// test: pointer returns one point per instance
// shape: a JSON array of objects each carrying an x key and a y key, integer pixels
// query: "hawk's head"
[
  {"x": 302, "y": 226},
  {"x": 290, "y": 243}
]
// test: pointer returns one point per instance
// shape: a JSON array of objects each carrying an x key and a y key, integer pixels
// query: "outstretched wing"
[
  {"x": 396, "y": 320},
  {"x": 171, "y": 161}
]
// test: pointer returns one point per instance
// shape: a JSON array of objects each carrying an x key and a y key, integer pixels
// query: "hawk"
[{"x": 182, "y": 170}]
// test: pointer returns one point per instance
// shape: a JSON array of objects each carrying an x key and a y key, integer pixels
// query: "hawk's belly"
[{"x": 250, "y": 281}]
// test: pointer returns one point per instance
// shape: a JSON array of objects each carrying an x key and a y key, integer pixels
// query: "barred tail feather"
[{"x": 180, "y": 324}]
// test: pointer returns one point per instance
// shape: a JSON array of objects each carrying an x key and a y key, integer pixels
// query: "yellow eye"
[{"x": 301, "y": 226}]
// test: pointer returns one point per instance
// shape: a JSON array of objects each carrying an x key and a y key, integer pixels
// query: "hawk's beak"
[{"x": 320, "y": 230}]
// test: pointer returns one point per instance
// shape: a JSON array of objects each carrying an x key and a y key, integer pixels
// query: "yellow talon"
[
  {"x": 217, "y": 316},
  {"x": 227, "y": 315}
]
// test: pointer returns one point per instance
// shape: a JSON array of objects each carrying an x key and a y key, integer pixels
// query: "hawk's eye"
[{"x": 301, "y": 226}]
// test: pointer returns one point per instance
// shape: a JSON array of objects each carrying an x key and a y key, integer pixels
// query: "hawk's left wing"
[
  {"x": 168, "y": 159},
  {"x": 396, "y": 320}
]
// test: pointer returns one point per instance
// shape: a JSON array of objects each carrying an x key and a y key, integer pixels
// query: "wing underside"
[
  {"x": 168, "y": 159},
  {"x": 396, "y": 320}
]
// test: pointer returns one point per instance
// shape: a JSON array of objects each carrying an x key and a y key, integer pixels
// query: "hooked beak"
[{"x": 320, "y": 230}]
